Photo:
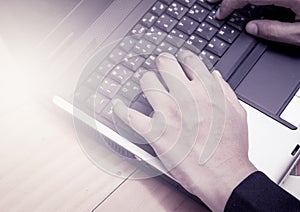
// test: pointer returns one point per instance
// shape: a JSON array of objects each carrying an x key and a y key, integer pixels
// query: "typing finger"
[
  {"x": 168, "y": 66},
  {"x": 136, "y": 120},
  {"x": 193, "y": 66},
  {"x": 213, "y": 1},
  {"x": 170, "y": 70},
  {"x": 275, "y": 31},
  {"x": 228, "y": 6},
  {"x": 228, "y": 92},
  {"x": 154, "y": 91}
]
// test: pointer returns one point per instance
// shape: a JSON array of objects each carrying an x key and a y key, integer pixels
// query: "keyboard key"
[
  {"x": 149, "y": 19},
  {"x": 217, "y": 46},
  {"x": 130, "y": 90},
  {"x": 143, "y": 99},
  {"x": 187, "y": 25},
  {"x": 94, "y": 81},
  {"x": 138, "y": 31},
  {"x": 150, "y": 63},
  {"x": 237, "y": 21},
  {"x": 117, "y": 55},
  {"x": 176, "y": 10},
  {"x": 159, "y": 8},
  {"x": 176, "y": 38},
  {"x": 168, "y": 2},
  {"x": 108, "y": 112},
  {"x": 166, "y": 23},
  {"x": 206, "y": 31},
  {"x": 165, "y": 47},
  {"x": 105, "y": 67},
  {"x": 187, "y": 3},
  {"x": 209, "y": 59},
  {"x": 97, "y": 103},
  {"x": 198, "y": 13},
  {"x": 127, "y": 43},
  {"x": 155, "y": 35},
  {"x": 195, "y": 44},
  {"x": 133, "y": 61},
  {"x": 144, "y": 47},
  {"x": 140, "y": 72},
  {"x": 120, "y": 74},
  {"x": 228, "y": 33},
  {"x": 100, "y": 103},
  {"x": 205, "y": 4},
  {"x": 211, "y": 18},
  {"x": 109, "y": 87}
]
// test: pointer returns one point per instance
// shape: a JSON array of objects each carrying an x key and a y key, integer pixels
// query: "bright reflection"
[{"x": 17, "y": 79}]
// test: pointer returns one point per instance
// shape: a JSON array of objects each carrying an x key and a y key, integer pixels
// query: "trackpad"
[{"x": 272, "y": 79}]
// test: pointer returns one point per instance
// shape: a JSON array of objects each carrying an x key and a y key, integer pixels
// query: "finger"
[
  {"x": 228, "y": 6},
  {"x": 230, "y": 95},
  {"x": 153, "y": 90},
  {"x": 151, "y": 129},
  {"x": 213, "y": 1},
  {"x": 169, "y": 69},
  {"x": 275, "y": 31},
  {"x": 193, "y": 66},
  {"x": 136, "y": 120},
  {"x": 227, "y": 90}
]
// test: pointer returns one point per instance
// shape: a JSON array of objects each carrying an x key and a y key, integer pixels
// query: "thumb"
[
  {"x": 150, "y": 128},
  {"x": 275, "y": 31},
  {"x": 228, "y": 92},
  {"x": 136, "y": 120}
]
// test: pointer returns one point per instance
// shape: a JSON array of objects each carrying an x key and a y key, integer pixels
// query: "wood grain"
[
  {"x": 42, "y": 167},
  {"x": 148, "y": 195}
]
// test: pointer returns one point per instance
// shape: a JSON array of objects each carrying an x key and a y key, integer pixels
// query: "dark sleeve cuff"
[{"x": 258, "y": 193}]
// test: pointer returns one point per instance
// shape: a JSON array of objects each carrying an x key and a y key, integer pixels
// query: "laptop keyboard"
[{"x": 167, "y": 27}]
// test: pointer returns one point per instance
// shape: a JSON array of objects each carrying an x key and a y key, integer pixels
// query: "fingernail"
[
  {"x": 184, "y": 55},
  {"x": 252, "y": 28},
  {"x": 165, "y": 55},
  {"x": 185, "y": 52},
  {"x": 218, "y": 14},
  {"x": 217, "y": 73}
]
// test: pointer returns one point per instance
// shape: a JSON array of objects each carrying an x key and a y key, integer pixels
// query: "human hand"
[
  {"x": 198, "y": 129},
  {"x": 267, "y": 29}
]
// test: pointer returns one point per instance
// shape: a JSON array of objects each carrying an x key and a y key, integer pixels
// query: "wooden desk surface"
[
  {"x": 42, "y": 168},
  {"x": 148, "y": 195}
]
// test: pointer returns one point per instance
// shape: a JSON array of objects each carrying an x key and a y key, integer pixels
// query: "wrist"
[
  {"x": 232, "y": 174},
  {"x": 224, "y": 179}
]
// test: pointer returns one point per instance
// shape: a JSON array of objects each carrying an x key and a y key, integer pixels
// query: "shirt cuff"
[{"x": 258, "y": 193}]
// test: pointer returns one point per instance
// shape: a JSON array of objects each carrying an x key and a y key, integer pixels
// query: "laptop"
[{"x": 88, "y": 52}]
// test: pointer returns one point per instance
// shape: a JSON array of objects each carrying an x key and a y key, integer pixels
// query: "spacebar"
[{"x": 235, "y": 55}]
